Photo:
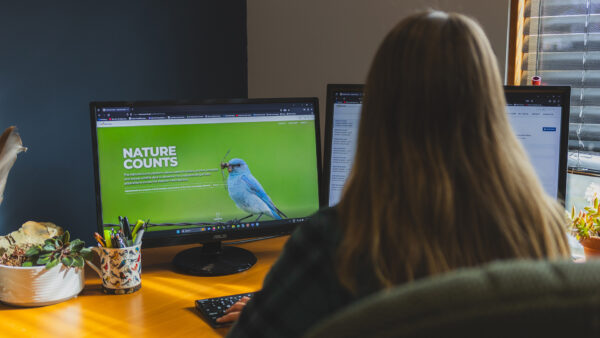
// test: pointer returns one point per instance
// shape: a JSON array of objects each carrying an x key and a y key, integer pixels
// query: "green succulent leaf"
[
  {"x": 43, "y": 259},
  {"x": 49, "y": 247},
  {"x": 65, "y": 238},
  {"x": 34, "y": 250},
  {"x": 27, "y": 264},
  {"x": 52, "y": 264},
  {"x": 76, "y": 245},
  {"x": 78, "y": 261},
  {"x": 67, "y": 261}
]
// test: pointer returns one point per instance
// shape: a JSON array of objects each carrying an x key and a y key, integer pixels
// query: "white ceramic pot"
[{"x": 36, "y": 286}]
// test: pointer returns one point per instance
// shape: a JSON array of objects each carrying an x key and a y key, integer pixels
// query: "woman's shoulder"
[{"x": 304, "y": 271}]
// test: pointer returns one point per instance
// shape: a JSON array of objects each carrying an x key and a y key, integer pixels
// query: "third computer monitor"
[{"x": 539, "y": 116}]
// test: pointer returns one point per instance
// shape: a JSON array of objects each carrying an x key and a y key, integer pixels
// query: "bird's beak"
[{"x": 224, "y": 165}]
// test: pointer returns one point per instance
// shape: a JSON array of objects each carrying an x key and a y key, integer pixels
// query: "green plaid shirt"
[{"x": 302, "y": 287}]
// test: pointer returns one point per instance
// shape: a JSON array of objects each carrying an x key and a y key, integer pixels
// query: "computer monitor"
[
  {"x": 539, "y": 116},
  {"x": 205, "y": 172},
  {"x": 342, "y": 116}
]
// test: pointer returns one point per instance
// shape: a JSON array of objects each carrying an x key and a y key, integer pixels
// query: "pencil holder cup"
[{"x": 120, "y": 269}]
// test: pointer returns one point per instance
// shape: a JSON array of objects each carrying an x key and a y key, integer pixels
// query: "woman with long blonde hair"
[{"x": 439, "y": 182}]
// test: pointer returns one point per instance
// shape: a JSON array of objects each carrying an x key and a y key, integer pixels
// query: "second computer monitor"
[
  {"x": 343, "y": 107},
  {"x": 539, "y": 116}
]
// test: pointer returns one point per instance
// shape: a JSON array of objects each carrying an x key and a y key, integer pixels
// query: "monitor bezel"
[
  {"x": 565, "y": 93},
  {"x": 331, "y": 90},
  {"x": 206, "y": 237}
]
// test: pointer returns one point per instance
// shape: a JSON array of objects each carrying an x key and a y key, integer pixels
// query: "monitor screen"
[
  {"x": 344, "y": 103},
  {"x": 538, "y": 115},
  {"x": 207, "y": 171}
]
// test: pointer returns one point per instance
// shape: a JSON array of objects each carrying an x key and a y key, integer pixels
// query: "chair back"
[{"x": 516, "y": 298}]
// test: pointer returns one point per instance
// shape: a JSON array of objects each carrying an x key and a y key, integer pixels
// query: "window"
[{"x": 559, "y": 40}]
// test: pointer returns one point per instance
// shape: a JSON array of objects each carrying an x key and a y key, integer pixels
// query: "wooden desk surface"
[{"x": 163, "y": 307}]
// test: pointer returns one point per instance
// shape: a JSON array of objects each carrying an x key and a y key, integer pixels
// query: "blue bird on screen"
[{"x": 247, "y": 193}]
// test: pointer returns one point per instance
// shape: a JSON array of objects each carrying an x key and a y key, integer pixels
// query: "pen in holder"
[
  {"x": 120, "y": 257},
  {"x": 120, "y": 269}
]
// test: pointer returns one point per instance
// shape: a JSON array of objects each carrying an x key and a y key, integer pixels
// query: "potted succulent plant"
[
  {"x": 585, "y": 225},
  {"x": 43, "y": 274}
]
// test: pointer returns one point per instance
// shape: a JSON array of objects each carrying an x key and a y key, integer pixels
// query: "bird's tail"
[{"x": 277, "y": 214}]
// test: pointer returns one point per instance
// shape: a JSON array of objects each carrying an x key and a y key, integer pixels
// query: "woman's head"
[
  {"x": 439, "y": 179},
  {"x": 433, "y": 79}
]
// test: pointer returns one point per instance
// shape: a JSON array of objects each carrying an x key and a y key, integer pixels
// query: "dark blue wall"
[{"x": 57, "y": 56}]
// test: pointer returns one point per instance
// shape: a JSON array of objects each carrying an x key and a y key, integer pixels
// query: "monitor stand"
[{"x": 213, "y": 259}]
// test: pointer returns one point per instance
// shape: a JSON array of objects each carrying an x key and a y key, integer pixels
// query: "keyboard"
[{"x": 213, "y": 308}]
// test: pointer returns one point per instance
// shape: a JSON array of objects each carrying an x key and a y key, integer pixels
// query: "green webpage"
[{"x": 172, "y": 173}]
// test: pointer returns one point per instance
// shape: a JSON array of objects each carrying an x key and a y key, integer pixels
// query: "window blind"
[{"x": 561, "y": 43}]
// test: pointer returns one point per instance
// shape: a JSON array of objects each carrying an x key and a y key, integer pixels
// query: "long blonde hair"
[{"x": 439, "y": 179}]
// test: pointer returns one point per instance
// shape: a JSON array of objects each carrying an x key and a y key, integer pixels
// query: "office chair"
[{"x": 515, "y": 298}]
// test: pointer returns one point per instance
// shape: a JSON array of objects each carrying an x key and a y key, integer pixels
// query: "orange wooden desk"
[{"x": 164, "y": 307}]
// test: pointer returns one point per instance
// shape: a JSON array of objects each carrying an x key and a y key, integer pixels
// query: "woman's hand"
[{"x": 233, "y": 313}]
